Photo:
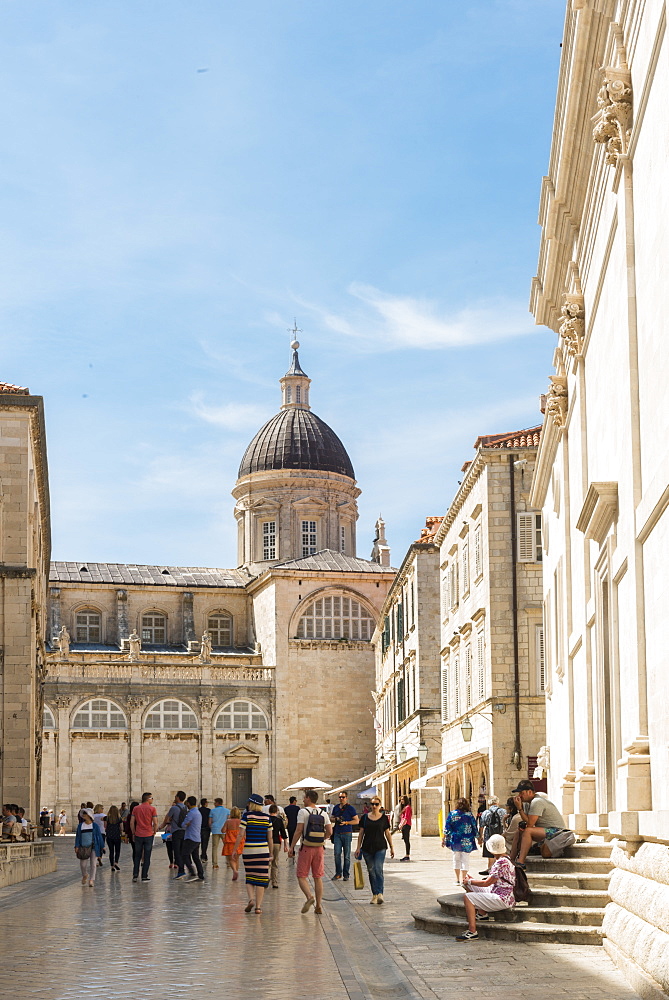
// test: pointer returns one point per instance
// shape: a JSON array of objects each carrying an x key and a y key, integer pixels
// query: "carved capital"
[
  {"x": 572, "y": 327},
  {"x": 206, "y": 703},
  {"x": 134, "y": 702},
  {"x": 612, "y": 123},
  {"x": 556, "y": 400},
  {"x": 62, "y": 701}
]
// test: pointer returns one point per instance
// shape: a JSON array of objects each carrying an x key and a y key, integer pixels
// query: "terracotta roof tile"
[
  {"x": 7, "y": 387},
  {"x": 429, "y": 531},
  {"x": 528, "y": 438}
]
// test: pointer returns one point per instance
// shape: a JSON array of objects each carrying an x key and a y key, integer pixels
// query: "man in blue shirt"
[
  {"x": 344, "y": 818},
  {"x": 192, "y": 836},
  {"x": 217, "y": 819}
]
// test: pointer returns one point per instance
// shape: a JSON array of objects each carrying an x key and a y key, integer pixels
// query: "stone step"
[
  {"x": 572, "y": 915},
  {"x": 569, "y": 897},
  {"x": 588, "y": 850},
  {"x": 438, "y": 922},
  {"x": 575, "y": 865},
  {"x": 568, "y": 880}
]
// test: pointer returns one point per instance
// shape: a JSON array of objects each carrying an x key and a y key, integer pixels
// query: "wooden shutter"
[
  {"x": 526, "y": 529},
  {"x": 456, "y": 683},
  {"x": 444, "y": 691},
  {"x": 468, "y": 676},
  {"x": 465, "y": 566},
  {"x": 400, "y": 622},
  {"x": 478, "y": 555},
  {"x": 480, "y": 662},
  {"x": 541, "y": 659}
]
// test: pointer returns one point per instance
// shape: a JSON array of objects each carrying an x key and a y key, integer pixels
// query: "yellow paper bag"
[{"x": 358, "y": 879}]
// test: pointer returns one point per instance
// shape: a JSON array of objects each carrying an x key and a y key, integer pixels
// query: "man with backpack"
[
  {"x": 174, "y": 823},
  {"x": 313, "y": 826},
  {"x": 490, "y": 824}
]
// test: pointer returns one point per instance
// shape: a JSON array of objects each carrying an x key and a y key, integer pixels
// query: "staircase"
[{"x": 568, "y": 899}]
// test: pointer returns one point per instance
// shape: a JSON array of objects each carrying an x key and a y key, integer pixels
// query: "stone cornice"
[
  {"x": 550, "y": 438},
  {"x": 599, "y": 511}
]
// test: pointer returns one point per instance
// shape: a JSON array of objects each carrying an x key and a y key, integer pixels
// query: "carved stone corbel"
[
  {"x": 572, "y": 327},
  {"x": 556, "y": 400},
  {"x": 612, "y": 123},
  {"x": 134, "y": 702},
  {"x": 206, "y": 703},
  {"x": 62, "y": 701}
]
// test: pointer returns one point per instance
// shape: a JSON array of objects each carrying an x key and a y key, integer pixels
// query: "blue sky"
[{"x": 180, "y": 180}]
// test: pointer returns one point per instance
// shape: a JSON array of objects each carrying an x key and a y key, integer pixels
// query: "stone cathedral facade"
[{"x": 223, "y": 681}]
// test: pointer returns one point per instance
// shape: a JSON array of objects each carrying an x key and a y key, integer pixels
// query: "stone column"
[
  {"x": 135, "y": 705},
  {"x": 54, "y": 613},
  {"x": 206, "y": 703},
  {"x": 63, "y": 757},
  {"x": 188, "y": 618},
  {"x": 122, "y": 628}
]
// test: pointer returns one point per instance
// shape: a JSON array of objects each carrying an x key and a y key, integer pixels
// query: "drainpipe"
[{"x": 514, "y": 580}]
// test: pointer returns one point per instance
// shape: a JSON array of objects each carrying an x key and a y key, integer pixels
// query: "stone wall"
[{"x": 20, "y": 862}]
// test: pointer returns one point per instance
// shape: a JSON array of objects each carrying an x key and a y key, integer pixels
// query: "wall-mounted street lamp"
[
  {"x": 402, "y": 754},
  {"x": 466, "y": 729},
  {"x": 422, "y": 752}
]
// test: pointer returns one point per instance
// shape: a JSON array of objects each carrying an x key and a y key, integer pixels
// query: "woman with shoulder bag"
[
  {"x": 373, "y": 841},
  {"x": 88, "y": 847}
]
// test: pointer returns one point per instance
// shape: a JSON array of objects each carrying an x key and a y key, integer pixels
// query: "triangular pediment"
[
  {"x": 310, "y": 502},
  {"x": 242, "y": 750}
]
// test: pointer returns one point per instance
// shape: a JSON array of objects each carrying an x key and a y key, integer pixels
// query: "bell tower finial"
[{"x": 295, "y": 383}]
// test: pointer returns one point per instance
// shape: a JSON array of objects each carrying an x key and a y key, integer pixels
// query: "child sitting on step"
[{"x": 492, "y": 893}]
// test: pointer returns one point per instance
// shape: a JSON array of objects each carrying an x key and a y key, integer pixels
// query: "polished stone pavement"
[{"x": 62, "y": 940}]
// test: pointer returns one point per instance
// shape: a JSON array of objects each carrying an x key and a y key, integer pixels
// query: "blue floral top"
[{"x": 461, "y": 831}]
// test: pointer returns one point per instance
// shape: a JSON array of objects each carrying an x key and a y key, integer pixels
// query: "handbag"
[
  {"x": 358, "y": 877},
  {"x": 83, "y": 853}
]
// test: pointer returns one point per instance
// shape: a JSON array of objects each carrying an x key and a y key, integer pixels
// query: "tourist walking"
[
  {"x": 460, "y": 833},
  {"x": 192, "y": 826},
  {"x": 62, "y": 823},
  {"x": 205, "y": 831},
  {"x": 313, "y": 826},
  {"x": 406, "y": 820},
  {"x": 256, "y": 827},
  {"x": 144, "y": 826},
  {"x": 491, "y": 822},
  {"x": 174, "y": 825},
  {"x": 88, "y": 847},
  {"x": 217, "y": 818},
  {"x": 344, "y": 818},
  {"x": 279, "y": 840},
  {"x": 126, "y": 825},
  {"x": 374, "y": 840},
  {"x": 113, "y": 836},
  {"x": 232, "y": 847},
  {"x": 99, "y": 818},
  {"x": 291, "y": 811},
  {"x": 491, "y": 894}
]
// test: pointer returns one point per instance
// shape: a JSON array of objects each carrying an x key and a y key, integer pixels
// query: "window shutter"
[
  {"x": 480, "y": 659},
  {"x": 444, "y": 691},
  {"x": 541, "y": 659},
  {"x": 478, "y": 555},
  {"x": 400, "y": 621},
  {"x": 465, "y": 566},
  {"x": 468, "y": 676},
  {"x": 456, "y": 683},
  {"x": 526, "y": 529}
]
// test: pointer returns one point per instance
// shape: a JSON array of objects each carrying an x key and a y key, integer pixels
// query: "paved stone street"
[{"x": 193, "y": 940}]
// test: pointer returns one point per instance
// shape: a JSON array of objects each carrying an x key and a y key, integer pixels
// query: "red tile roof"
[
  {"x": 528, "y": 438},
  {"x": 6, "y": 387},
  {"x": 429, "y": 531}
]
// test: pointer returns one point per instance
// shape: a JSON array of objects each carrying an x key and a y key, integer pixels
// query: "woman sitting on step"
[{"x": 484, "y": 900}]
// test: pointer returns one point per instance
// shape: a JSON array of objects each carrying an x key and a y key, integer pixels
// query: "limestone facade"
[
  {"x": 24, "y": 560},
  {"x": 491, "y": 644},
  {"x": 406, "y": 643},
  {"x": 602, "y": 475},
  {"x": 223, "y": 681}
]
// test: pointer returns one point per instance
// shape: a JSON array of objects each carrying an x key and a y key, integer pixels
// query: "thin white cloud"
[
  {"x": 232, "y": 416},
  {"x": 380, "y": 321}
]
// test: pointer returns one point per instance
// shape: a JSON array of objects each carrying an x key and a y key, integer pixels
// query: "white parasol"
[{"x": 307, "y": 783}]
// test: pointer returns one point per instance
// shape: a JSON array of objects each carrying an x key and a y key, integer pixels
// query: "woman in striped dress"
[{"x": 258, "y": 846}]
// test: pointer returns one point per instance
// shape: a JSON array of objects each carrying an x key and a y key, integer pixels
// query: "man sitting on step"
[{"x": 541, "y": 823}]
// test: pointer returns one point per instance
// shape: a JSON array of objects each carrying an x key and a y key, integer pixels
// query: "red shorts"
[{"x": 310, "y": 860}]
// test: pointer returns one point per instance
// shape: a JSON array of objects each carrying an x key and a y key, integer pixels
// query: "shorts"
[
  {"x": 488, "y": 901},
  {"x": 310, "y": 860}
]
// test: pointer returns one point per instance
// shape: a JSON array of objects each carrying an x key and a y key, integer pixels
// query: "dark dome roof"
[{"x": 296, "y": 439}]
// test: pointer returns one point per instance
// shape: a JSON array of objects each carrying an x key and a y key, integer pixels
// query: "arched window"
[
  {"x": 336, "y": 618},
  {"x": 154, "y": 627},
  {"x": 171, "y": 714},
  {"x": 48, "y": 719},
  {"x": 99, "y": 714},
  {"x": 219, "y": 626},
  {"x": 241, "y": 715},
  {"x": 88, "y": 625}
]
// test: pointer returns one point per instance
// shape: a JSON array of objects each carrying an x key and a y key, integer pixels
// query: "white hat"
[{"x": 496, "y": 844}]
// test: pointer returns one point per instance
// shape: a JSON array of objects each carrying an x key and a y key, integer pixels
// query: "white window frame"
[
  {"x": 187, "y": 719},
  {"x": 242, "y": 714},
  {"x": 46, "y": 724},
  {"x": 289, "y": 394},
  {"x": 309, "y": 535},
  {"x": 87, "y": 626},
  {"x": 269, "y": 540},
  {"x": 221, "y": 616},
  {"x": 528, "y": 537},
  {"x": 336, "y": 616},
  {"x": 153, "y": 628},
  {"x": 99, "y": 713},
  {"x": 453, "y": 584}
]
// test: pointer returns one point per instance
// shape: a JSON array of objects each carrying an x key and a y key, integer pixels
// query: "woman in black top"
[
  {"x": 113, "y": 835},
  {"x": 205, "y": 832},
  {"x": 373, "y": 841}
]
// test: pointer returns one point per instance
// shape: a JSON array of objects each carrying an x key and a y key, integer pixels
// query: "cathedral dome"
[{"x": 296, "y": 438}]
